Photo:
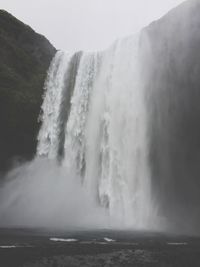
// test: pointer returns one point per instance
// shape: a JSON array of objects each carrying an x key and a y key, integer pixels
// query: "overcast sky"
[{"x": 87, "y": 24}]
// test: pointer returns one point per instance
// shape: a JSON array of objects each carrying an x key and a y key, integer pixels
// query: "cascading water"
[
  {"x": 94, "y": 112},
  {"x": 91, "y": 169},
  {"x": 58, "y": 86}
]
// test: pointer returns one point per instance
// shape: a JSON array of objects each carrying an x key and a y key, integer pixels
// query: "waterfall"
[
  {"x": 94, "y": 122},
  {"x": 58, "y": 87}
]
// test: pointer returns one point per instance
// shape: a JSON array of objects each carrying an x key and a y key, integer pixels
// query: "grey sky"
[{"x": 87, "y": 24}]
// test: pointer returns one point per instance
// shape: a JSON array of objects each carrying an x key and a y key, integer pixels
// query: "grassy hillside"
[{"x": 25, "y": 57}]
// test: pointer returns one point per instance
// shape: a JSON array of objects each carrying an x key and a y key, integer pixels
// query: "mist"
[
  {"x": 43, "y": 194},
  {"x": 172, "y": 77}
]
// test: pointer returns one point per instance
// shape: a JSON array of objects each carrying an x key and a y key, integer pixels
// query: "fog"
[
  {"x": 172, "y": 68},
  {"x": 43, "y": 194},
  {"x": 87, "y": 24}
]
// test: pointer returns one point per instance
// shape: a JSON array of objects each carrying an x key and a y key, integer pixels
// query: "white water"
[
  {"x": 106, "y": 139},
  {"x": 54, "y": 86},
  {"x": 109, "y": 239},
  {"x": 91, "y": 167}
]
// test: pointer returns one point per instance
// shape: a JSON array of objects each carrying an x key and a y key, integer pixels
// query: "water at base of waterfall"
[{"x": 45, "y": 248}]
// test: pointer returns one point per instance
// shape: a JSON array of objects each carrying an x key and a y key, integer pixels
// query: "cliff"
[
  {"x": 172, "y": 54},
  {"x": 25, "y": 58}
]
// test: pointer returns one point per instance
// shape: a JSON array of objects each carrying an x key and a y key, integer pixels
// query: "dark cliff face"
[
  {"x": 25, "y": 57},
  {"x": 172, "y": 47}
]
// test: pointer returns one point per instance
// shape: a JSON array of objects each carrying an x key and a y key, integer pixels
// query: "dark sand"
[{"x": 33, "y": 248}]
